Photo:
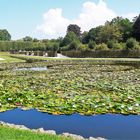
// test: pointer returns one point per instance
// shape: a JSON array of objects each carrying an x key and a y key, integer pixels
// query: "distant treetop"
[
  {"x": 5, "y": 35},
  {"x": 74, "y": 28}
]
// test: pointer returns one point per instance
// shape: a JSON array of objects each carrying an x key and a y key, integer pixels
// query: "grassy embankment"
[{"x": 7, "y": 133}]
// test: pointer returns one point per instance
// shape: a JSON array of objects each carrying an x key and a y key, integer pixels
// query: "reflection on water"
[
  {"x": 107, "y": 126},
  {"x": 33, "y": 69}
]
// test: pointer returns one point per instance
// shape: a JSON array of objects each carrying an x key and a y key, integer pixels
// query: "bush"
[
  {"x": 111, "y": 44},
  {"x": 55, "y": 47},
  {"x": 73, "y": 45},
  {"x": 83, "y": 47},
  {"x": 132, "y": 43},
  {"x": 115, "y": 45},
  {"x": 91, "y": 44},
  {"x": 102, "y": 46}
]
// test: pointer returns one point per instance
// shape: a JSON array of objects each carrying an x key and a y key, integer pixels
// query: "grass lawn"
[
  {"x": 7, "y": 133},
  {"x": 8, "y": 59}
]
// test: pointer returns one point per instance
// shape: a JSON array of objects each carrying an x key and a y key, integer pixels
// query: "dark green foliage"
[
  {"x": 5, "y": 35},
  {"x": 119, "y": 29},
  {"x": 110, "y": 44},
  {"x": 35, "y": 40},
  {"x": 27, "y": 38},
  {"x": 70, "y": 37},
  {"x": 91, "y": 44},
  {"x": 124, "y": 25},
  {"x": 54, "y": 47},
  {"x": 94, "y": 34},
  {"x": 74, "y": 28},
  {"x": 85, "y": 38},
  {"x": 23, "y": 46},
  {"x": 136, "y": 29},
  {"x": 30, "y": 60},
  {"x": 73, "y": 45},
  {"x": 112, "y": 35},
  {"x": 131, "y": 43},
  {"x": 114, "y": 45},
  {"x": 99, "y": 53},
  {"x": 109, "y": 32}
]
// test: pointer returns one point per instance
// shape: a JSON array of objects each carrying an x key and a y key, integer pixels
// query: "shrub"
[
  {"x": 111, "y": 44},
  {"x": 102, "y": 46},
  {"x": 132, "y": 43},
  {"x": 30, "y": 60},
  {"x": 82, "y": 47},
  {"x": 55, "y": 47},
  {"x": 91, "y": 44},
  {"x": 115, "y": 45},
  {"x": 73, "y": 45}
]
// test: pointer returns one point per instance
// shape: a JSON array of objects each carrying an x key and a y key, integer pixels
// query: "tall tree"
[
  {"x": 136, "y": 29},
  {"x": 70, "y": 37},
  {"x": 74, "y": 28},
  {"x": 124, "y": 25},
  {"x": 109, "y": 32},
  {"x": 94, "y": 34},
  {"x": 27, "y": 38},
  {"x": 5, "y": 35},
  {"x": 85, "y": 37}
]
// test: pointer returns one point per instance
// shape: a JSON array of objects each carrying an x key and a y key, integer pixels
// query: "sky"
[{"x": 50, "y": 18}]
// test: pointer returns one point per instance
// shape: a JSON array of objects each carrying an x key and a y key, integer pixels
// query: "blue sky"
[{"x": 25, "y": 17}]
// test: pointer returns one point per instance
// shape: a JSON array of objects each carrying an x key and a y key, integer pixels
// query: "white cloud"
[
  {"x": 93, "y": 15},
  {"x": 54, "y": 24}
]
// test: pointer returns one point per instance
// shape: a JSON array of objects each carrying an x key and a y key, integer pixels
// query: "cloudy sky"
[{"x": 50, "y": 18}]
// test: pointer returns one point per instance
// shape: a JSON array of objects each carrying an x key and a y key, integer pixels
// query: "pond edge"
[{"x": 49, "y": 132}]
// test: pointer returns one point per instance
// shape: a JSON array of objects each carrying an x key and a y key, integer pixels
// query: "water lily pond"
[
  {"x": 107, "y": 126},
  {"x": 70, "y": 86}
]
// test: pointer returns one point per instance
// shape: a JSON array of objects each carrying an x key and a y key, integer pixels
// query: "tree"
[
  {"x": 74, "y": 28},
  {"x": 109, "y": 32},
  {"x": 35, "y": 40},
  {"x": 124, "y": 25},
  {"x": 27, "y": 38},
  {"x": 70, "y": 37},
  {"x": 5, "y": 35},
  {"x": 136, "y": 29},
  {"x": 94, "y": 33},
  {"x": 91, "y": 44},
  {"x": 73, "y": 45},
  {"x": 85, "y": 38}
]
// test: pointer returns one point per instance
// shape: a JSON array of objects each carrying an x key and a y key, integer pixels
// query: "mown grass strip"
[{"x": 7, "y": 133}]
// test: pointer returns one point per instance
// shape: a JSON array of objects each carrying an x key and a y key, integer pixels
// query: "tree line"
[{"x": 119, "y": 33}]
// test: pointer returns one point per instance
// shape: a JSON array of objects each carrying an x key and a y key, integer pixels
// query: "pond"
[
  {"x": 107, "y": 126},
  {"x": 32, "y": 69}
]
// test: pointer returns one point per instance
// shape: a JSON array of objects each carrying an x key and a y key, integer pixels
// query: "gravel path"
[{"x": 61, "y": 56}]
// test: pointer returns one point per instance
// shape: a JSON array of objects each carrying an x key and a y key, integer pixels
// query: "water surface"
[
  {"x": 33, "y": 69},
  {"x": 109, "y": 126}
]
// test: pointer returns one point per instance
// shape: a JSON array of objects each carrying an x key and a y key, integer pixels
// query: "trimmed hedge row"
[{"x": 103, "y": 54}]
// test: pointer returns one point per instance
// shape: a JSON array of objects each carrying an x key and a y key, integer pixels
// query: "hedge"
[{"x": 103, "y": 54}]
